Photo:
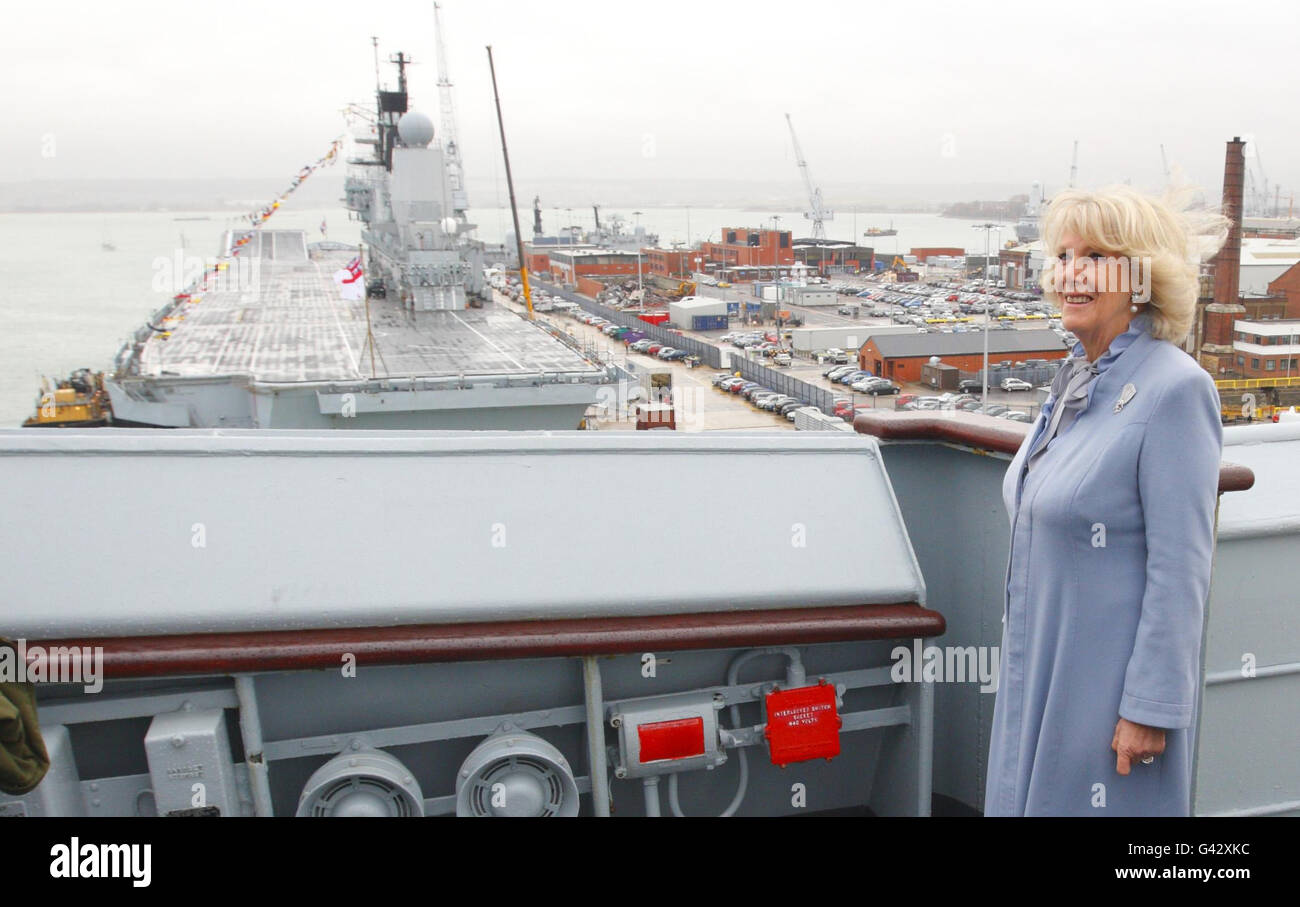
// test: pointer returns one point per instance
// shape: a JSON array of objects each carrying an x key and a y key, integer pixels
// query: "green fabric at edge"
[{"x": 23, "y": 759}]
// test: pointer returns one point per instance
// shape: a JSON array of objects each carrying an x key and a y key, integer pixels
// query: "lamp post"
[{"x": 988, "y": 229}]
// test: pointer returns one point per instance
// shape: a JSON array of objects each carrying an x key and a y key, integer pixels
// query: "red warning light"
[{"x": 676, "y": 739}]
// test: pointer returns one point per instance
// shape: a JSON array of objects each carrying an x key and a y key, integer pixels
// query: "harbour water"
[{"x": 67, "y": 303}]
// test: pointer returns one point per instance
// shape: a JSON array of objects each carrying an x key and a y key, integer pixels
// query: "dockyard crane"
[
  {"x": 450, "y": 145},
  {"x": 1260, "y": 186},
  {"x": 817, "y": 212}
]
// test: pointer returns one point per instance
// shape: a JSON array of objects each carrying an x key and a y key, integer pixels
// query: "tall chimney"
[
  {"x": 1216, "y": 353},
  {"x": 1227, "y": 264}
]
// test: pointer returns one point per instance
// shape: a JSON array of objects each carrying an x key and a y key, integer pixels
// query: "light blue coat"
[{"x": 1112, "y": 534}]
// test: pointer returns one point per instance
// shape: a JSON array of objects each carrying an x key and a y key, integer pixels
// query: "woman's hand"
[{"x": 1134, "y": 742}]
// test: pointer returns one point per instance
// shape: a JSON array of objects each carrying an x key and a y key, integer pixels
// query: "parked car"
[
  {"x": 1015, "y": 384},
  {"x": 1015, "y": 415},
  {"x": 994, "y": 409},
  {"x": 653, "y": 349},
  {"x": 782, "y": 359},
  {"x": 969, "y": 384}
]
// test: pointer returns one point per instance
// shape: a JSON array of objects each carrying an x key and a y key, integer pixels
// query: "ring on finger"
[{"x": 1147, "y": 760}]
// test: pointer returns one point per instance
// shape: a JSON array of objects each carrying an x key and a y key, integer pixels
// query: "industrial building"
[
  {"x": 900, "y": 357},
  {"x": 1267, "y": 349},
  {"x": 849, "y": 337},
  {"x": 1264, "y": 261},
  {"x": 743, "y": 247},
  {"x": 1021, "y": 266},
  {"x": 675, "y": 263},
  {"x": 699, "y": 313},
  {"x": 833, "y": 256},
  {"x": 812, "y": 296},
  {"x": 1218, "y": 339},
  {"x": 567, "y": 265},
  {"x": 923, "y": 254}
]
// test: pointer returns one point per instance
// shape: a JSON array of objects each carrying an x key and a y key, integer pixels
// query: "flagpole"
[{"x": 370, "y": 334}]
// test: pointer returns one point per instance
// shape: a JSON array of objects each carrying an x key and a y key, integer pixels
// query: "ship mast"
[
  {"x": 451, "y": 147},
  {"x": 389, "y": 107}
]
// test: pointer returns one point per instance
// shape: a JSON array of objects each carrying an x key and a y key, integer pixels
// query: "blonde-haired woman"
[{"x": 1111, "y": 499}]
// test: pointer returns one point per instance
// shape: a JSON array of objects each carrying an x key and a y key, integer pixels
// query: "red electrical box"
[{"x": 802, "y": 724}]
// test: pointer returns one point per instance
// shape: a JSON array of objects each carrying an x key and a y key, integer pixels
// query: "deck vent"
[
  {"x": 516, "y": 774},
  {"x": 365, "y": 783}
]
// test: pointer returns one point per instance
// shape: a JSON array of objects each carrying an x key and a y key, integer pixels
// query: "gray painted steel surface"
[{"x": 237, "y": 530}]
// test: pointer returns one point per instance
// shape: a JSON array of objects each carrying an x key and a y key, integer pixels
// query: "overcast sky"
[{"x": 939, "y": 93}]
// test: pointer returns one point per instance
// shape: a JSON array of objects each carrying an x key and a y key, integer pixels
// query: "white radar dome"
[{"x": 415, "y": 129}]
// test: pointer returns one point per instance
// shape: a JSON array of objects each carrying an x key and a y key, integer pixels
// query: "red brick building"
[
  {"x": 900, "y": 357},
  {"x": 925, "y": 252},
  {"x": 567, "y": 265},
  {"x": 742, "y": 246},
  {"x": 1287, "y": 287},
  {"x": 1267, "y": 349},
  {"x": 675, "y": 263}
]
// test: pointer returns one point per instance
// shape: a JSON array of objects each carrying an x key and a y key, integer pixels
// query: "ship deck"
[{"x": 291, "y": 324}]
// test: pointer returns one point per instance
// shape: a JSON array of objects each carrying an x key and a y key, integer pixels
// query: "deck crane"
[
  {"x": 450, "y": 145},
  {"x": 816, "y": 212}
]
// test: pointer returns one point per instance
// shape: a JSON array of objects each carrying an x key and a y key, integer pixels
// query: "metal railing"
[
  {"x": 782, "y": 382},
  {"x": 707, "y": 353}
]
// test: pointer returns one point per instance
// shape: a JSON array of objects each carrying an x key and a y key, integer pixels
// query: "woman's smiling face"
[{"x": 1093, "y": 289}]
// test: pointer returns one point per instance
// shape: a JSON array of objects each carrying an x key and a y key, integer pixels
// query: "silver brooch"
[{"x": 1127, "y": 394}]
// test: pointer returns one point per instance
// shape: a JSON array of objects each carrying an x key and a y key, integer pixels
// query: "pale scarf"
[{"x": 1071, "y": 387}]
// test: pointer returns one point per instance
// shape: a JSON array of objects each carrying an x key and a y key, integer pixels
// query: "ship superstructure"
[{"x": 401, "y": 333}]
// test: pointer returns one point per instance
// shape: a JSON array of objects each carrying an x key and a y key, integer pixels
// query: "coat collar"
[
  {"x": 1125, "y": 363},
  {"x": 1139, "y": 327}
]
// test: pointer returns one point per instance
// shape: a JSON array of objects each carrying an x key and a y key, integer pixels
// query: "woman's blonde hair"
[{"x": 1167, "y": 235}]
